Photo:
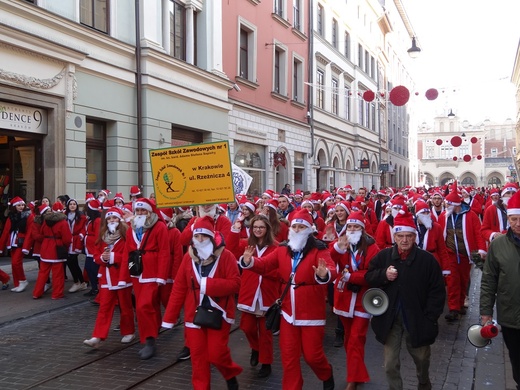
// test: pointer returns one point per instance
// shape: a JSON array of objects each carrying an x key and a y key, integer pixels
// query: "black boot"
[
  {"x": 253, "y": 361},
  {"x": 329, "y": 383},
  {"x": 232, "y": 384},
  {"x": 149, "y": 349},
  {"x": 264, "y": 371},
  {"x": 338, "y": 341}
]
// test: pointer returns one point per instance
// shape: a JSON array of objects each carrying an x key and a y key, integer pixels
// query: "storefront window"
[
  {"x": 299, "y": 171},
  {"x": 251, "y": 158},
  {"x": 96, "y": 156}
]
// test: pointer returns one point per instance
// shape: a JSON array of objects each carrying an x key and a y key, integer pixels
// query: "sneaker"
[
  {"x": 75, "y": 287},
  {"x": 21, "y": 287},
  {"x": 184, "y": 354},
  {"x": 93, "y": 342},
  {"x": 47, "y": 287},
  {"x": 5, "y": 286},
  {"x": 453, "y": 315},
  {"x": 83, "y": 286},
  {"x": 128, "y": 338}
]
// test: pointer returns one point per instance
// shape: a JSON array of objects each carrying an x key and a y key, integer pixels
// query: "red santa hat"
[
  {"x": 307, "y": 201},
  {"x": 114, "y": 212},
  {"x": 204, "y": 226},
  {"x": 403, "y": 222},
  {"x": 343, "y": 204},
  {"x": 43, "y": 208},
  {"x": 108, "y": 204},
  {"x": 89, "y": 197},
  {"x": 273, "y": 203},
  {"x": 326, "y": 196},
  {"x": 135, "y": 191},
  {"x": 355, "y": 206},
  {"x": 298, "y": 194},
  {"x": 269, "y": 193},
  {"x": 509, "y": 187},
  {"x": 361, "y": 200},
  {"x": 347, "y": 188},
  {"x": 331, "y": 210},
  {"x": 421, "y": 206},
  {"x": 315, "y": 198},
  {"x": 513, "y": 206},
  {"x": 166, "y": 213},
  {"x": 493, "y": 192},
  {"x": 119, "y": 196},
  {"x": 94, "y": 205},
  {"x": 356, "y": 217},
  {"x": 16, "y": 201},
  {"x": 244, "y": 202},
  {"x": 454, "y": 197},
  {"x": 58, "y": 207},
  {"x": 223, "y": 207},
  {"x": 302, "y": 217},
  {"x": 144, "y": 203},
  {"x": 398, "y": 201},
  {"x": 127, "y": 207},
  {"x": 106, "y": 192}
]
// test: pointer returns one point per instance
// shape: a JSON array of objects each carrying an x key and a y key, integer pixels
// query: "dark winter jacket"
[{"x": 418, "y": 291}]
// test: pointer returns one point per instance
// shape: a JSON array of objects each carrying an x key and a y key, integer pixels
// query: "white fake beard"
[
  {"x": 204, "y": 248},
  {"x": 505, "y": 200},
  {"x": 139, "y": 221},
  {"x": 112, "y": 226},
  {"x": 466, "y": 200},
  {"x": 449, "y": 210},
  {"x": 101, "y": 199},
  {"x": 211, "y": 213},
  {"x": 394, "y": 212},
  {"x": 426, "y": 220},
  {"x": 297, "y": 240},
  {"x": 354, "y": 237}
]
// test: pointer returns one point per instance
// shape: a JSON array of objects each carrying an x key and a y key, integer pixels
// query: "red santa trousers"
[
  {"x": 147, "y": 308},
  {"x": 17, "y": 266},
  {"x": 458, "y": 280},
  {"x": 4, "y": 278},
  {"x": 354, "y": 342},
  {"x": 210, "y": 346},
  {"x": 295, "y": 340},
  {"x": 260, "y": 339},
  {"x": 164, "y": 293},
  {"x": 108, "y": 299},
  {"x": 58, "y": 279}
]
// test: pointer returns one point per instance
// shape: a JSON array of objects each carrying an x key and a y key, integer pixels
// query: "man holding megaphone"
[
  {"x": 413, "y": 281},
  {"x": 501, "y": 284}
]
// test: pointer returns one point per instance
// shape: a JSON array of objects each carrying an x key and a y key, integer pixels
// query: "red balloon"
[
  {"x": 439, "y": 142},
  {"x": 399, "y": 95},
  {"x": 467, "y": 158},
  {"x": 479, "y": 157},
  {"x": 432, "y": 94},
  {"x": 456, "y": 141},
  {"x": 416, "y": 93},
  {"x": 369, "y": 96},
  {"x": 455, "y": 158},
  {"x": 474, "y": 140}
]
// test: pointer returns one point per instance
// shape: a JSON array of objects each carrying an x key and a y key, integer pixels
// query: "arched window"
[
  {"x": 251, "y": 158},
  {"x": 494, "y": 180}
]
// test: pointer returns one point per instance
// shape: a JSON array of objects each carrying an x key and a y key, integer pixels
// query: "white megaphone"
[
  {"x": 375, "y": 301},
  {"x": 480, "y": 336}
]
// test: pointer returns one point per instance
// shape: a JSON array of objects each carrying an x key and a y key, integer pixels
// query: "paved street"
[{"x": 41, "y": 348}]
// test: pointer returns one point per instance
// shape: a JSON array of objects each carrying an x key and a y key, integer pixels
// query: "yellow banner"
[{"x": 192, "y": 174}]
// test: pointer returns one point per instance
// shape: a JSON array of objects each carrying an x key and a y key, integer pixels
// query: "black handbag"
[
  {"x": 273, "y": 315},
  {"x": 62, "y": 252},
  {"x": 135, "y": 258},
  {"x": 207, "y": 317}
]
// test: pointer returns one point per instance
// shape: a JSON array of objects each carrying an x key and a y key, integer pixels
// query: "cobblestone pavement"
[{"x": 41, "y": 347}]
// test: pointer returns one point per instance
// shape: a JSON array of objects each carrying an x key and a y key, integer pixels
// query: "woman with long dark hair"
[
  {"x": 280, "y": 229},
  {"x": 108, "y": 254},
  {"x": 16, "y": 228},
  {"x": 92, "y": 210},
  {"x": 76, "y": 220},
  {"x": 257, "y": 292}
]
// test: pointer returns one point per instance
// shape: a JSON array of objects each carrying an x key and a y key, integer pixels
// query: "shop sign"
[{"x": 23, "y": 118}]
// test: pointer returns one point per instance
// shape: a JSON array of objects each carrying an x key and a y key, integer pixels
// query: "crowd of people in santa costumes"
[{"x": 317, "y": 244}]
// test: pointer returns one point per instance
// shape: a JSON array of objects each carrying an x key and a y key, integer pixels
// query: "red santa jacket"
[
  {"x": 156, "y": 256},
  {"x": 189, "y": 288},
  {"x": 55, "y": 231},
  {"x": 304, "y": 303},
  {"x": 495, "y": 221},
  {"x": 176, "y": 253},
  {"x": 222, "y": 225},
  {"x": 264, "y": 289},
  {"x": 33, "y": 240},
  {"x": 91, "y": 235},
  {"x": 348, "y": 303},
  {"x": 473, "y": 240},
  {"x": 384, "y": 235},
  {"x": 77, "y": 228},
  {"x": 109, "y": 272},
  {"x": 434, "y": 242},
  {"x": 283, "y": 232},
  {"x": 14, "y": 236}
]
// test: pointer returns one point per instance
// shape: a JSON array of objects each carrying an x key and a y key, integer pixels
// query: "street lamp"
[{"x": 414, "y": 51}]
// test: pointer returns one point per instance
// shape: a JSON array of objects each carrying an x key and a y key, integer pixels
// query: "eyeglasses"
[{"x": 259, "y": 227}]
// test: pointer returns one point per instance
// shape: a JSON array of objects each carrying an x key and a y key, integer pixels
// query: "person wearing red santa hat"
[
  {"x": 149, "y": 236},
  {"x": 437, "y": 202},
  {"x": 55, "y": 232},
  {"x": 317, "y": 220},
  {"x": 16, "y": 228},
  {"x": 93, "y": 212},
  {"x": 285, "y": 208},
  {"x": 334, "y": 228},
  {"x": 119, "y": 200},
  {"x": 247, "y": 209},
  {"x": 495, "y": 222},
  {"x": 103, "y": 196},
  {"x": 352, "y": 252},
  {"x": 257, "y": 292},
  {"x": 108, "y": 255},
  {"x": 305, "y": 264},
  {"x": 430, "y": 235},
  {"x": 413, "y": 283},
  {"x": 176, "y": 253},
  {"x": 222, "y": 223},
  {"x": 280, "y": 229},
  {"x": 208, "y": 277},
  {"x": 77, "y": 221},
  {"x": 461, "y": 227},
  {"x": 492, "y": 198},
  {"x": 469, "y": 198},
  {"x": 384, "y": 233}
]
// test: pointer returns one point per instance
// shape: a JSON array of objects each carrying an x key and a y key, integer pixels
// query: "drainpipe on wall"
[
  {"x": 138, "y": 83},
  {"x": 310, "y": 111}
]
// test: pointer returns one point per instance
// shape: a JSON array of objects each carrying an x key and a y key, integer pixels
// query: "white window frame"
[
  {"x": 280, "y": 8},
  {"x": 283, "y": 66},
  {"x": 252, "y": 51},
  {"x": 298, "y": 96}
]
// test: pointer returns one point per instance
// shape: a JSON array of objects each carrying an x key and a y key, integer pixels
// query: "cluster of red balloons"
[{"x": 456, "y": 141}]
